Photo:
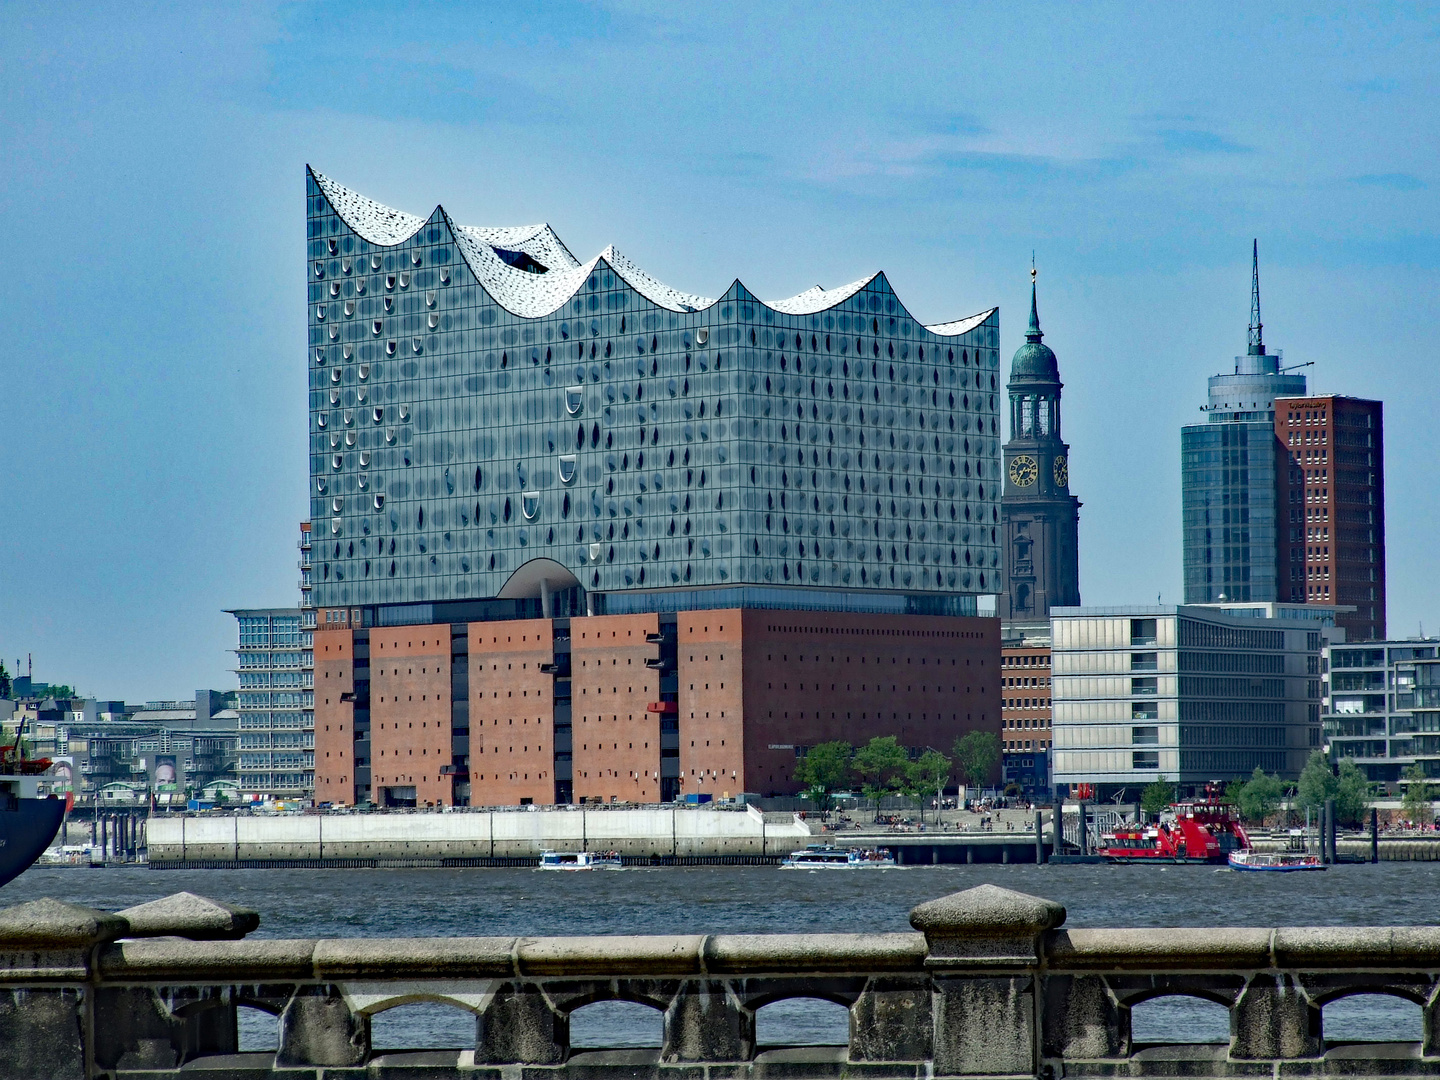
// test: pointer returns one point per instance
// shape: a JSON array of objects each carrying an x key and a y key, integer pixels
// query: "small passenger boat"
[
  {"x": 1296, "y": 857},
  {"x": 580, "y": 860},
  {"x": 826, "y": 857}
]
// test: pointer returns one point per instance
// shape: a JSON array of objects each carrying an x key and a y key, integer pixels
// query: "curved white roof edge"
[
  {"x": 960, "y": 326},
  {"x": 531, "y": 295}
]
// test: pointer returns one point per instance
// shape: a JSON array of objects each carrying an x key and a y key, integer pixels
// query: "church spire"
[
  {"x": 1257, "y": 329},
  {"x": 1033, "y": 333}
]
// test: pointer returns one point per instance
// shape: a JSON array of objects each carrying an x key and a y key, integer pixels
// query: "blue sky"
[{"x": 153, "y": 366}]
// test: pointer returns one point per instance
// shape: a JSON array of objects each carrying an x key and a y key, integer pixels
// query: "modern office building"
[
  {"x": 1194, "y": 694},
  {"x": 1041, "y": 518},
  {"x": 1382, "y": 706},
  {"x": 1332, "y": 542},
  {"x": 275, "y": 665},
  {"x": 581, "y": 474},
  {"x": 1026, "y": 732},
  {"x": 1232, "y": 474}
]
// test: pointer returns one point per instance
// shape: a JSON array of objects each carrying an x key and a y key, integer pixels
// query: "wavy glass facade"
[{"x": 480, "y": 401}]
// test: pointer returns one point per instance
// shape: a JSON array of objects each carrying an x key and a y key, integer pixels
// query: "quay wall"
[{"x": 472, "y": 836}]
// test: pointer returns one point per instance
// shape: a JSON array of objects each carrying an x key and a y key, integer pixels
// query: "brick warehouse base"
[{"x": 635, "y": 708}]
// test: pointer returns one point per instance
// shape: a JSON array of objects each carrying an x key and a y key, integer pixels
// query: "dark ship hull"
[{"x": 27, "y": 826}]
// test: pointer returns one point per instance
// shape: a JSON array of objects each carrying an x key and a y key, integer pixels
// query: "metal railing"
[{"x": 990, "y": 986}]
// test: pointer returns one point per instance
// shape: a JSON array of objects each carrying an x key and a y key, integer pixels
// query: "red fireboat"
[{"x": 1201, "y": 831}]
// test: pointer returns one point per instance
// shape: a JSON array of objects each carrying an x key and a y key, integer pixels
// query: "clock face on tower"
[
  {"x": 1062, "y": 471},
  {"x": 1023, "y": 470}
]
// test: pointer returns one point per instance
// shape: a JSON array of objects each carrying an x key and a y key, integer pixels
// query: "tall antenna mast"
[{"x": 1257, "y": 328}]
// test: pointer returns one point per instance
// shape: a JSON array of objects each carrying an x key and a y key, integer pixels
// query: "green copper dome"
[{"x": 1034, "y": 361}]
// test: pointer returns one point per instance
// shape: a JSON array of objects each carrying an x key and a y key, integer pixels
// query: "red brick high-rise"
[{"x": 1331, "y": 533}]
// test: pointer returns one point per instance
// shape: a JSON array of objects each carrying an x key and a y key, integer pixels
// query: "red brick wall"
[
  {"x": 410, "y": 711},
  {"x": 334, "y": 718},
  {"x": 712, "y": 701},
  {"x": 813, "y": 677},
  {"x": 617, "y": 740},
  {"x": 1025, "y": 677},
  {"x": 512, "y": 713}
]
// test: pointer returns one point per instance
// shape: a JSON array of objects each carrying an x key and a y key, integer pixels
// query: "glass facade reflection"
[{"x": 480, "y": 401}]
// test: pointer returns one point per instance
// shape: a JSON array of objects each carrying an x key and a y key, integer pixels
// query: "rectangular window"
[
  {"x": 1149, "y": 687},
  {"x": 1142, "y": 632},
  {"x": 1145, "y": 736},
  {"x": 1144, "y": 710},
  {"x": 1145, "y": 759},
  {"x": 1144, "y": 661}
]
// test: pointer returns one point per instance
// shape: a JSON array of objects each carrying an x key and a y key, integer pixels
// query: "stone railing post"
[
  {"x": 707, "y": 1022},
  {"x": 520, "y": 1026},
  {"x": 983, "y": 956},
  {"x": 318, "y": 1027},
  {"x": 45, "y": 1024},
  {"x": 1273, "y": 1018}
]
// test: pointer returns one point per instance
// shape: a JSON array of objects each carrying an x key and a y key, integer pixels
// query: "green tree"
[
  {"x": 882, "y": 766},
  {"x": 5, "y": 684},
  {"x": 1418, "y": 800},
  {"x": 1157, "y": 796},
  {"x": 825, "y": 769},
  {"x": 927, "y": 776},
  {"x": 1258, "y": 797},
  {"x": 1353, "y": 793},
  {"x": 976, "y": 755},
  {"x": 1317, "y": 783}
]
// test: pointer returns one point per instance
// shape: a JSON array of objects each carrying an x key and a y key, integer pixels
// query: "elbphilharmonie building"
[{"x": 499, "y": 431}]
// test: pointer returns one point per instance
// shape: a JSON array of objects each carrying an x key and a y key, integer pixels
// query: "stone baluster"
[
  {"x": 520, "y": 1026},
  {"x": 982, "y": 952},
  {"x": 707, "y": 1022},
  {"x": 317, "y": 1027},
  {"x": 1274, "y": 1018}
]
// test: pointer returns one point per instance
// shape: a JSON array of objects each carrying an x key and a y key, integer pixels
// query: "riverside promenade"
[{"x": 991, "y": 984}]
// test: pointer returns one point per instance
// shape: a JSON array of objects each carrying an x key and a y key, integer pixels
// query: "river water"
[{"x": 753, "y": 899}]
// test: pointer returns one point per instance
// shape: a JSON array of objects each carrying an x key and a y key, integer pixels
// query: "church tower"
[{"x": 1040, "y": 517}]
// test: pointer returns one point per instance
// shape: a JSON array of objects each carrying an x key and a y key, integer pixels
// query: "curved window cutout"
[
  {"x": 364, "y": 369},
  {"x": 334, "y": 396},
  {"x": 360, "y": 286},
  {"x": 379, "y": 502},
  {"x": 336, "y": 375},
  {"x": 319, "y": 269},
  {"x": 337, "y": 461},
  {"x": 375, "y": 262},
  {"x": 1371, "y": 1018},
  {"x": 610, "y": 1024},
  {"x": 415, "y": 344},
  {"x": 349, "y": 438},
  {"x": 337, "y": 504},
  {"x": 405, "y": 279},
  {"x": 349, "y": 308},
  {"x": 390, "y": 348},
  {"x": 1179, "y": 1019},
  {"x": 320, "y": 484},
  {"x": 258, "y": 1029},
  {"x": 574, "y": 400},
  {"x": 349, "y": 417},
  {"x": 345, "y": 266},
  {"x": 422, "y": 1025},
  {"x": 335, "y": 526},
  {"x": 702, "y": 335},
  {"x": 390, "y": 436},
  {"x": 377, "y": 327},
  {"x": 430, "y": 299},
  {"x": 378, "y": 413},
  {"x": 347, "y": 352},
  {"x": 319, "y": 356},
  {"x": 434, "y": 320},
  {"x": 404, "y": 412},
  {"x": 321, "y": 420},
  {"x": 803, "y": 1022},
  {"x": 389, "y": 281},
  {"x": 567, "y": 468},
  {"x": 364, "y": 458},
  {"x": 445, "y": 277},
  {"x": 320, "y": 313},
  {"x": 530, "y": 504}
]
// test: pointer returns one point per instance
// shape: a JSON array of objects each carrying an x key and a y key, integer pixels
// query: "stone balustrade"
[{"x": 992, "y": 985}]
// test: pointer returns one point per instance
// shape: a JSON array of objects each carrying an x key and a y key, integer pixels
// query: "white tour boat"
[
  {"x": 580, "y": 860},
  {"x": 1296, "y": 857},
  {"x": 825, "y": 857}
]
